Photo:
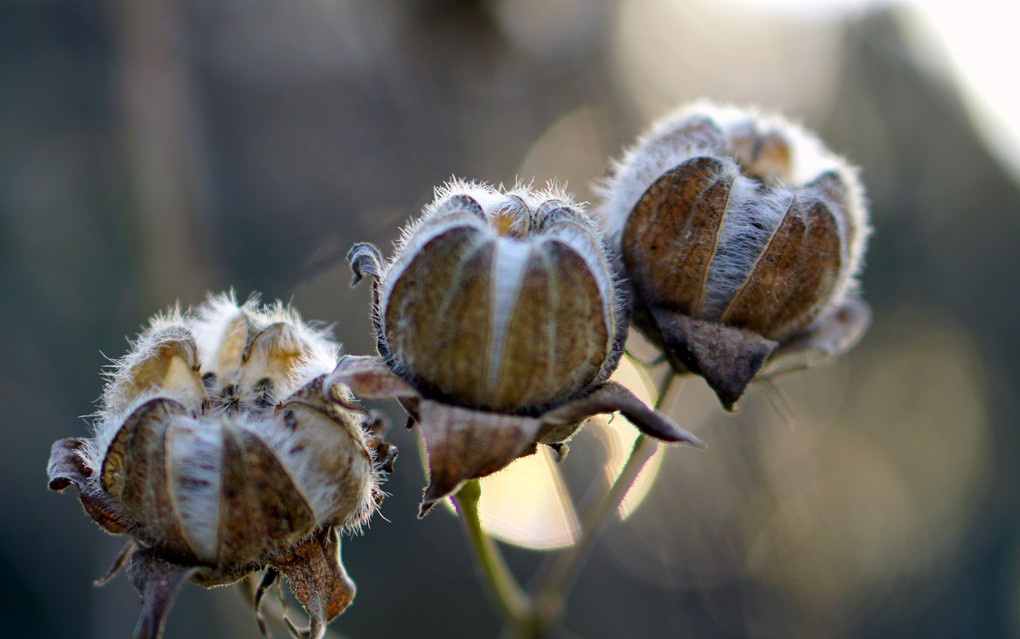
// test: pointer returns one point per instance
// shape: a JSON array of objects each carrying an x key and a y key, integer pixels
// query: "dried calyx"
[
  {"x": 742, "y": 237},
  {"x": 222, "y": 448},
  {"x": 498, "y": 322}
]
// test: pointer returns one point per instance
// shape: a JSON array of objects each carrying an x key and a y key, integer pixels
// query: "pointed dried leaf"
[
  {"x": 464, "y": 444},
  {"x": 370, "y": 378},
  {"x": 318, "y": 579},
  {"x": 118, "y": 563},
  {"x": 267, "y": 581},
  {"x": 728, "y": 358},
  {"x": 612, "y": 397},
  {"x": 158, "y": 582},
  {"x": 66, "y": 468},
  {"x": 831, "y": 335}
]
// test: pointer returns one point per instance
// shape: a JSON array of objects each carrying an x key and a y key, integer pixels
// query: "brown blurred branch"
[{"x": 162, "y": 149}]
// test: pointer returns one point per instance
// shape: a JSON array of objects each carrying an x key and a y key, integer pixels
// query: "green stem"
[
  {"x": 551, "y": 589},
  {"x": 511, "y": 600},
  {"x": 665, "y": 386}
]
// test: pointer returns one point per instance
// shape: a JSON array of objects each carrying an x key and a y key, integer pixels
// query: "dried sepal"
[
  {"x": 67, "y": 468},
  {"x": 260, "y": 471},
  {"x": 158, "y": 582},
  {"x": 118, "y": 563},
  {"x": 269, "y": 577},
  {"x": 737, "y": 233},
  {"x": 831, "y": 335},
  {"x": 318, "y": 579},
  {"x": 727, "y": 357},
  {"x": 158, "y": 577},
  {"x": 610, "y": 398},
  {"x": 464, "y": 443},
  {"x": 365, "y": 259}
]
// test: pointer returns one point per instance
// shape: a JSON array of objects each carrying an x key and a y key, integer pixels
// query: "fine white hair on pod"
[
  {"x": 243, "y": 346},
  {"x": 775, "y": 159},
  {"x": 676, "y": 138},
  {"x": 222, "y": 449},
  {"x": 752, "y": 215},
  {"x": 194, "y": 454},
  {"x": 504, "y": 245},
  {"x": 739, "y": 233}
]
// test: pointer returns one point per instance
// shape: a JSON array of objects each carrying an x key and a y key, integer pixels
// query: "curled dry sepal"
[
  {"x": 741, "y": 236},
  {"x": 498, "y": 322},
  {"x": 222, "y": 448}
]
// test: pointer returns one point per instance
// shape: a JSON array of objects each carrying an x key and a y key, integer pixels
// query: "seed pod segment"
[
  {"x": 222, "y": 449},
  {"x": 498, "y": 309},
  {"x": 742, "y": 238}
]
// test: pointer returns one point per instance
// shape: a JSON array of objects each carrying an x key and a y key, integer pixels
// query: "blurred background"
[{"x": 154, "y": 150}]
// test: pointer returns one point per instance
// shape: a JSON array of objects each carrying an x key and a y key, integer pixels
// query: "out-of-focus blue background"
[{"x": 153, "y": 150}]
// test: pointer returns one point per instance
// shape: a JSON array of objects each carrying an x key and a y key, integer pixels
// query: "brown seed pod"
[
  {"x": 741, "y": 236},
  {"x": 222, "y": 450},
  {"x": 498, "y": 310},
  {"x": 508, "y": 308}
]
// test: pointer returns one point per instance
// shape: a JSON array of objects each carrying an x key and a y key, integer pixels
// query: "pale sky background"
[{"x": 975, "y": 42}]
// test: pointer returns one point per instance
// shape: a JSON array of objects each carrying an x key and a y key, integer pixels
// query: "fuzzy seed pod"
[
  {"x": 742, "y": 237},
  {"x": 221, "y": 449},
  {"x": 497, "y": 310},
  {"x": 503, "y": 302}
]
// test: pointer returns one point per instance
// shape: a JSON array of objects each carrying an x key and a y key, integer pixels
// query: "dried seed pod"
[
  {"x": 497, "y": 310},
  {"x": 504, "y": 303},
  {"x": 222, "y": 450},
  {"x": 742, "y": 237}
]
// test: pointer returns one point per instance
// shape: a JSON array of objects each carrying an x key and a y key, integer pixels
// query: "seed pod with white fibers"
[
  {"x": 221, "y": 449},
  {"x": 741, "y": 236}
]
